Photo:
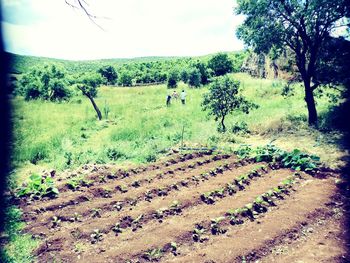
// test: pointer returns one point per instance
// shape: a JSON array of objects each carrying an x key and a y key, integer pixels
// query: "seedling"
[
  {"x": 208, "y": 198},
  {"x": 220, "y": 192},
  {"x": 195, "y": 179},
  {"x": 136, "y": 223},
  {"x": 148, "y": 196},
  {"x": 213, "y": 173},
  {"x": 184, "y": 183},
  {"x": 159, "y": 214},
  {"x": 198, "y": 234},
  {"x": 153, "y": 254},
  {"x": 117, "y": 229},
  {"x": 136, "y": 184},
  {"x": 205, "y": 176},
  {"x": 215, "y": 226},
  {"x": 96, "y": 236},
  {"x": 173, "y": 248},
  {"x": 75, "y": 218},
  {"x": 175, "y": 207},
  {"x": 37, "y": 187},
  {"x": 122, "y": 188},
  {"x": 96, "y": 212},
  {"x": 174, "y": 186},
  {"x": 219, "y": 170},
  {"x": 234, "y": 216},
  {"x": 55, "y": 221},
  {"x": 102, "y": 179},
  {"x": 107, "y": 193},
  {"x": 231, "y": 189},
  {"x": 162, "y": 191},
  {"x": 118, "y": 206}
]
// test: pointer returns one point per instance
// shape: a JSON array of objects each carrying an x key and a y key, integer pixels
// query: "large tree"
[{"x": 303, "y": 26}]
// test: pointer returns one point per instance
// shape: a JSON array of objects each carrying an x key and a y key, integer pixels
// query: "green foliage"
[
  {"x": 194, "y": 78},
  {"x": 109, "y": 74},
  {"x": 153, "y": 254},
  {"x": 37, "y": 187},
  {"x": 173, "y": 78},
  {"x": 125, "y": 79},
  {"x": 300, "y": 161},
  {"x": 88, "y": 84},
  {"x": 46, "y": 83},
  {"x": 223, "y": 98},
  {"x": 220, "y": 64}
]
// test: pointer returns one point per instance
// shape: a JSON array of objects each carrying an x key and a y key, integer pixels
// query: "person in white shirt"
[{"x": 183, "y": 97}]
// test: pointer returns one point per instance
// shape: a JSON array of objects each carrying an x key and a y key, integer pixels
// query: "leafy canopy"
[{"x": 224, "y": 98}]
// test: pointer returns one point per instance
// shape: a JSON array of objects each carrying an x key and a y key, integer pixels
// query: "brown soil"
[{"x": 304, "y": 223}]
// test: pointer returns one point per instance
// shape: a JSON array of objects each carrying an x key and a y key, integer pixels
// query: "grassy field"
[{"x": 139, "y": 127}]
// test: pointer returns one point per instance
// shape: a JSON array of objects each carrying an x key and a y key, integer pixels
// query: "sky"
[{"x": 130, "y": 28}]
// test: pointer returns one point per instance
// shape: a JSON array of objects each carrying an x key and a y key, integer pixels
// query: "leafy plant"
[
  {"x": 96, "y": 212},
  {"x": 215, "y": 226},
  {"x": 175, "y": 207},
  {"x": 117, "y": 229},
  {"x": 96, "y": 236},
  {"x": 75, "y": 218},
  {"x": 173, "y": 248},
  {"x": 118, "y": 206},
  {"x": 37, "y": 187},
  {"x": 153, "y": 254},
  {"x": 198, "y": 234},
  {"x": 56, "y": 221},
  {"x": 136, "y": 223}
]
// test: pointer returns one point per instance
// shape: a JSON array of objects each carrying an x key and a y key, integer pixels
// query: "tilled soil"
[{"x": 167, "y": 212}]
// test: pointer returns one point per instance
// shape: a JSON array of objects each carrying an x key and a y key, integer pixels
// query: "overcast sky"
[{"x": 131, "y": 28}]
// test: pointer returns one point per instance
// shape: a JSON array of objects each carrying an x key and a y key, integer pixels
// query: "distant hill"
[{"x": 21, "y": 63}]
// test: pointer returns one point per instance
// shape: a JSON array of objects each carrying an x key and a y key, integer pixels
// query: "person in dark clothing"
[{"x": 168, "y": 98}]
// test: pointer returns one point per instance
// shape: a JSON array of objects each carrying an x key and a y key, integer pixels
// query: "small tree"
[
  {"x": 204, "y": 72},
  {"x": 173, "y": 78},
  {"x": 125, "y": 79},
  {"x": 109, "y": 74},
  {"x": 88, "y": 85},
  {"x": 184, "y": 75},
  {"x": 194, "y": 78},
  {"x": 220, "y": 64},
  {"x": 223, "y": 98}
]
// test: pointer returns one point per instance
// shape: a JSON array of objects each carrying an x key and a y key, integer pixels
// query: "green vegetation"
[{"x": 301, "y": 27}]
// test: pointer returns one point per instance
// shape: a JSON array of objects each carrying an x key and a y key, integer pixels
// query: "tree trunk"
[
  {"x": 223, "y": 124},
  {"x": 99, "y": 115},
  {"x": 310, "y": 102}
]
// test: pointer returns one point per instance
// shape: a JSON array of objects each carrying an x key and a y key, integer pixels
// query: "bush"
[
  {"x": 220, "y": 64},
  {"x": 173, "y": 78},
  {"x": 194, "y": 78}
]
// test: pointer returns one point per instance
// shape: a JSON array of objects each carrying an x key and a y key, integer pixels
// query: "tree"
[
  {"x": 194, "y": 77},
  {"x": 224, "y": 98},
  {"x": 302, "y": 26},
  {"x": 125, "y": 79},
  {"x": 220, "y": 64},
  {"x": 108, "y": 73},
  {"x": 184, "y": 75},
  {"x": 88, "y": 85},
  {"x": 47, "y": 83},
  {"x": 203, "y": 70},
  {"x": 173, "y": 78}
]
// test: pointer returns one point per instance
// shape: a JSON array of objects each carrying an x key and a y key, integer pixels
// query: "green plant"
[
  {"x": 300, "y": 161},
  {"x": 96, "y": 236},
  {"x": 153, "y": 254},
  {"x": 173, "y": 248},
  {"x": 75, "y": 218},
  {"x": 117, "y": 229},
  {"x": 56, "y": 221},
  {"x": 96, "y": 212},
  {"x": 175, "y": 207},
  {"x": 136, "y": 223},
  {"x": 118, "y": 206},
  {"x": 37, "y": 187},
  {"x": 215, "y": 226},
  {"x": 198, "y": 234},
  {"x": 243, "y": 151}
]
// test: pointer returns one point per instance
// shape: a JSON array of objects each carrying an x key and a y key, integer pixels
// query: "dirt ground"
[{"x": 195, "y": 207}]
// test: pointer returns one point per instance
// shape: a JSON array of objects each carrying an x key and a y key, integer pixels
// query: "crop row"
[
  {"x": 218, "y": 226},
  {"x": 175, "y": 208}
]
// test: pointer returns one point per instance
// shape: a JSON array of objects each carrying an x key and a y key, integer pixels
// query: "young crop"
[
  {"x": 162, "y": 191},
  {"x": 173, "y": 248},
  {"x": 205, "y": 176},
  {"x": 75, "y": 218},
  {"x": 153, "y": 254},
  {"x": 118, "y": 206},
  {"x": 117, "y": 229},
  {"x": 136, "y": 223},
  {"x": 215, "y": 226},
  {"x": 107, "y": 193},
  {"x": 76, "y": 182},
  {"x": 208, "y": 198},
  {"x": 159, "y": 214},
  {"x": 102, "y": 179},
  {"x": 136, "y": 184},
  {"x": 55, "y": 221},
  {"x": 37, "y": 187},
  {"x": 231, "y": 189},
  {"x": 235, "y": 217},
  {"x": 184, "y": 183},
  {"x": 96, "y": 212},
  {"x": 148, "y": 196},
  {"x": 175, "y": 207},
  {"x": 220, "y": 192},
  {"x": 198, "y": 234},
  {"x": 96, "y": 236},
  {"x": 122, "y": 188}
]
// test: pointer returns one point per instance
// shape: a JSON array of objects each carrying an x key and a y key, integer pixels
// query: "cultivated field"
[{"x": 194, "y": 207}]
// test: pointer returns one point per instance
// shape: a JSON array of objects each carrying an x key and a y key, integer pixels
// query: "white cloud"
[{"x": 131, "y": 28}]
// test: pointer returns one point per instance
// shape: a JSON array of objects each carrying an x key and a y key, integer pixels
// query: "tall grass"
[{"x": 139, "y": 126}]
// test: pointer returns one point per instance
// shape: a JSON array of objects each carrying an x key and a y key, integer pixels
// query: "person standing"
[
  {"x": 183, "y": 97},
  {"x": 168, "y": 98}
]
